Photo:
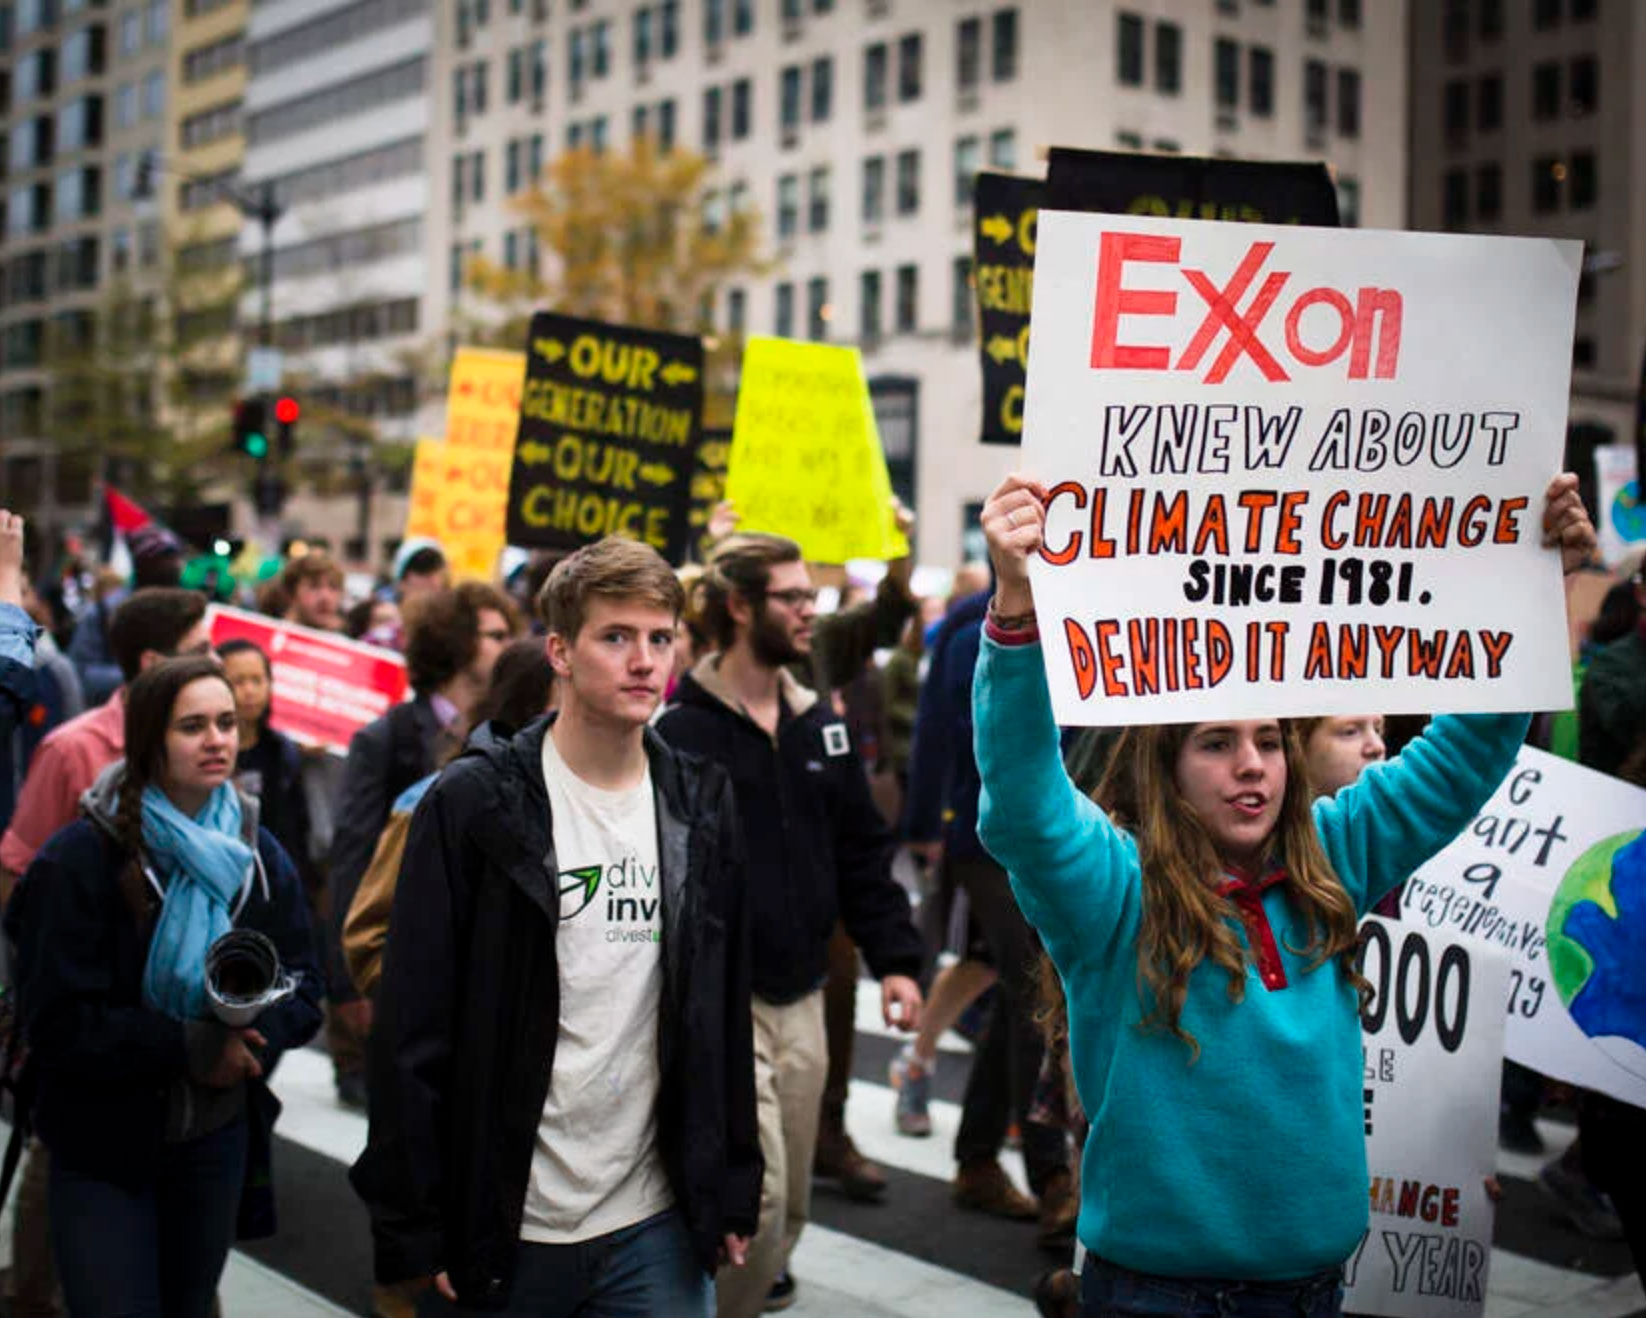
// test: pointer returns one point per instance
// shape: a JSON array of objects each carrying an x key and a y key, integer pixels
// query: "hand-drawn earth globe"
[
  {"x": 1629, "y": 513},
  {"x": 1597, "y": 946}
]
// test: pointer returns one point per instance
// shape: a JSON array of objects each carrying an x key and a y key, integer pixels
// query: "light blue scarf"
[{"x": 205, "y": 863}]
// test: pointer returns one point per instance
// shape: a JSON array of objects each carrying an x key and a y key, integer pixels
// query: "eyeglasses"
[{"x": 794, "y": 597}]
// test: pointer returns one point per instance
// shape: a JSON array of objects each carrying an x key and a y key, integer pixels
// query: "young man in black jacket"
[
  {"x": 816, "y": 848},
  {"x": 562, "y": 1098}
]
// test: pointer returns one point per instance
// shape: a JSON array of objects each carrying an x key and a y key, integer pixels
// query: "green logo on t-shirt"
[{"x": 576, "y": 896}]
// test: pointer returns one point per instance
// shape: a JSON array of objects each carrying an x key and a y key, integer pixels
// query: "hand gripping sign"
[{"x": 1291, "y": 470}]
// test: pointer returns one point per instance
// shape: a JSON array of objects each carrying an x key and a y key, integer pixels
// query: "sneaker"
[
  {"x": 782, "y": 1294},
  {"x": 1585, "y": 1207},
  {"x": 912, "y": 1079},
  {"x": 984, "y": 1187},
  {"x": 837, "y": 1159}
]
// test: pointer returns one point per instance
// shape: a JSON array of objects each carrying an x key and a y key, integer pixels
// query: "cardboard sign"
[
  {"x": 806, "y": 460},
  {"x": 1290, "y": 468},
  {"x": 1187, "y": 187},
  {"x": 459, "y": 495},
  {"x": 1545, "y": 874},
  {"x": 483, "y": 398},
  {"x": 609, "y": 424},
  {"x": 1434, "y": 1027},
  {"x": 326, "y": 688},
  {"x": 714, "y": 453}
]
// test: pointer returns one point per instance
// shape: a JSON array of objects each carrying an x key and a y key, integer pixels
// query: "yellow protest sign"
[
  {"x": 458, "y": 496},
  {"x": 483, "y": 398},
  {"x": 806, "y": 460}
]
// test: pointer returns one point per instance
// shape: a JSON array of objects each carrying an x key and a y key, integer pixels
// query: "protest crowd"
[{"x": 578, "y": 888}]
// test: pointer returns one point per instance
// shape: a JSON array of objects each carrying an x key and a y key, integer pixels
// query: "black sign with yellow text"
[
  {"x": 610, "y": 418},
  {"x": 1118, "y": 183}
]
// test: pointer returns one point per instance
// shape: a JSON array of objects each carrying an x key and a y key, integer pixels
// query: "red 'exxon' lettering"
[{"x": 1370, "y": 320}]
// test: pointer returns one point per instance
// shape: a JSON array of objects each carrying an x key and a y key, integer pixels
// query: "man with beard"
[{"x": 816, "y": 848}]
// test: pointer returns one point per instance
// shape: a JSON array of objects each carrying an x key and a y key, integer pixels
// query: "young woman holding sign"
[{"x": 1203, "y": 921}]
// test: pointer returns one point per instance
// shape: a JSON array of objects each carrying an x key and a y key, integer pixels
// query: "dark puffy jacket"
[
  {"x": 818, "y": 849},
  {"x": 104, "y": 1061},
  {"x": 468, "y": 1011}
]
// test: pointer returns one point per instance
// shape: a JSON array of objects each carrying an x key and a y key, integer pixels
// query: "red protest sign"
[{"x": 326, "y": 688}]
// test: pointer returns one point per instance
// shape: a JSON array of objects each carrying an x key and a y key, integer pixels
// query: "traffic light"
[
  {"x": 251, "y": 431},
  {"x": 286, "y": 412}
]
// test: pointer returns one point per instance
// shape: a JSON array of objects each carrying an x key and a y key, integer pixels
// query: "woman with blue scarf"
[{"x": 157, "y": 1115}]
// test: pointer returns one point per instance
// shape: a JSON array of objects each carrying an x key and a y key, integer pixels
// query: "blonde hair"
[{"x": 1186, "y": 921}]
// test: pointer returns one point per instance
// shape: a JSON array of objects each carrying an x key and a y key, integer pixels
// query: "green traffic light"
[{"x": 257, "y": 445}]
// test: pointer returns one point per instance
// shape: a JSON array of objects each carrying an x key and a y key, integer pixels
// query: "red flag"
[{"x": 125, "y": 515}]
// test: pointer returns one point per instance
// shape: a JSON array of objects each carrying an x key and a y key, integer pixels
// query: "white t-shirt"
[{"x": 596, "y": 1168}]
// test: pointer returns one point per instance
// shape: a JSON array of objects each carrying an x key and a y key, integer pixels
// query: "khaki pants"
[{"x": 791, "y": 1060}]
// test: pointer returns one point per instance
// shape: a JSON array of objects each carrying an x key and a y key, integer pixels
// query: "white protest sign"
[
  {"x": 1546, "y": 872},
  {"x": 1292, "y": 469},
  {"x": 1621, "y": 514},
  {"x": 1433, "y": 1027}
]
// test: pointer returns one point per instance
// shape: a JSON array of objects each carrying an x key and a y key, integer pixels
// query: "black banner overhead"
[
  {"x": 1112, "y": 182},
  {"x": 708, "y": 486},
  {"x": 610, "y": 419}
]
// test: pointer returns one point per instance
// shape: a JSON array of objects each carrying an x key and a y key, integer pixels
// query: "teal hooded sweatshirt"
[{"x": 1250, "y": 1161}]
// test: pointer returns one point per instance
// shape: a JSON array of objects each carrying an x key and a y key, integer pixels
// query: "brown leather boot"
[
  {"x": 1059, "y": 1211},
  {"x": 984, "y": 1187},
  {"x": 838, "y": 1160}
]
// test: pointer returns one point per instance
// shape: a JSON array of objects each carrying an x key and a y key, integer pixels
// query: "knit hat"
[
  {"x": 150, "y": 542},
  {"x": 409, "y": 549}
]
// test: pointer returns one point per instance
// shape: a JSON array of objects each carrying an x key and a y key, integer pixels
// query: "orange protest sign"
[
  {"x": 458, "y": 496},
  {"x": 483, "y": 399}
]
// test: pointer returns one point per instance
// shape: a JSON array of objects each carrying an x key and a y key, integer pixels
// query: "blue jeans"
[
  {"x": 648, "y": 1270},
  {"x": 1108, "y": 1291},
  {"x": 154, "y": 1252}
]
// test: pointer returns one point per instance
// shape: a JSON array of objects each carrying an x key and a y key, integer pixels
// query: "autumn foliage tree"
[{"x": 627, "y": 238}]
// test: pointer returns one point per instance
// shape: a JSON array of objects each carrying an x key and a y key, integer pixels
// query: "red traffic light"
[{"x": 286, "y": 411}]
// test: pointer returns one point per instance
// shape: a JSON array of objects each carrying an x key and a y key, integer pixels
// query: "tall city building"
[
  {"x": 337, "y": 113},
  {"x": 855, "y": 127},
  {"x": 83, "y": 100},
  {"x": 1527, "y": 119}
]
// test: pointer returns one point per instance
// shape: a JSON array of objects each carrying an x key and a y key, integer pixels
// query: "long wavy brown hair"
[{"x": 1185, "y": 920}]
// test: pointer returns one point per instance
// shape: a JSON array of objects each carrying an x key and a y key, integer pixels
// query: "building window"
[
  {"x": 131, "y": 32},
  {"x": 788, "y": 205},
  {"x": 1348, "y": 13},
  {"x": 1455, "y": 112},
  {"x": 668, "y": 22},
  {"x": 1314, "y": 97},
  {"x": 1583, "y": 352},
  {"x": 962, "y": 300},
  {"x": 818, "y": 311},
  {"x": 154, "y": 94},
  {"x": 1545, "y": 14},
  {"x": 1583, "y": 10},
  {"x": 1455, "y": 30},
  {"x": 783, "y": 311},
  {"x": 1003, "y": 149},
  {"x": 711, "y": 121},
  {"x": 1455, "y": 199},
  {"x": 1004, "y": 65},
  {"x": 642, "y": 35},
  {"x": 1262, "y": 89},
  {"x": 908, "y": 68},
  {"x": 968, "y": 55},
  {"x": 1226, "y": 59},
  {"x": 1548, "y": 173},
  {"x": 908, "y": 182},
  {"x": 511, "y": 167},
  {"x": 789, "y": 103},
  {"x": 817, "y": 201},
  {"x": 742, "y": 108},
  {"x": 874, "y": 76},
  {"x": 874, "y": 190},
  {"x": 1129, "y": 50},
  {"x": 822, "y": 89},
  {"x": 868, "y": 307},
  {"x": 714, "y": 22},
  {"x": 665, "y": 124},
  {"x": 1489, "y": 191},
  {"x": 1348, "y": 201},
  {"x": 742, "y": 17},
  {"x": 1488, "y": 105},
  {"x": 1491, "y": 19},
  {"x": 1585, "y": 85},
  {"x": 1168, "y": 58},
  {"x": 1348, "y": 103},
  {"x": 967, "y": 153},
  {"x": 908, "y": 299},
  {"x": 1583, "y": 179},
  {"x": 1546, "y": 90},
  {"x": 737, "y": 310}
]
